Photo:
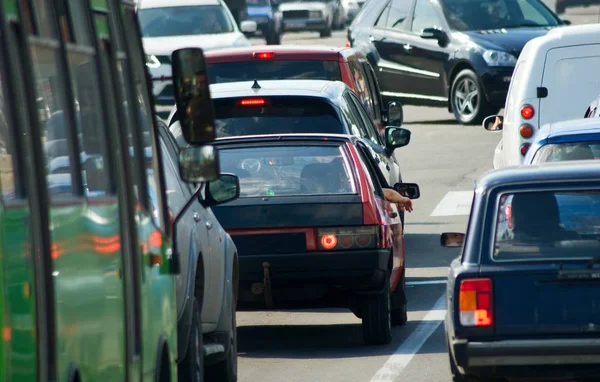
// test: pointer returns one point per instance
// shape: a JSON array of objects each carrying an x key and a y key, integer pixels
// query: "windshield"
[
  {"x": 289, "y": 170},
  {"x": 182, "y": 21},
  {"x": 467, "y": 15},
  {"x": 567, "y": 152},
  {"x": 275, "y": 115},
  {"x": 548, "y": 225},
  {"x": 274, "y": 70}
]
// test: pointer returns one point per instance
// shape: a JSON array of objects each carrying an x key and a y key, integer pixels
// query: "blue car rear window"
[{"x": 274, "y": 70}]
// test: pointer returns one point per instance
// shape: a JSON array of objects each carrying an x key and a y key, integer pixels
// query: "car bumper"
[
  {"x": 304, "y": 24},
  {"x": 525, "y": 358},
  {"x": 495, "y": 83},
  {"x": 359, "y": 270}
]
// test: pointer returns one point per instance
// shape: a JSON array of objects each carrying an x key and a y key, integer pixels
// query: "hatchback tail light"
[
  {"x": 475, "y": 302},
  {"x": 264, "y": 55},
  {"x": 526, "y": 131},
  {"x": 348, "y": 45},
  {"x": 527, "y": 112},
  {"x": 343, "y": 238}
]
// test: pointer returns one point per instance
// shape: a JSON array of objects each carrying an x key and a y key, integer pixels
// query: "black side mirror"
[
  {"x": 192, "y": 96},
  {"x": 493, "y": 123},
  {"x": 452, "y": 239},
  {"x": 409, "y": 190},
  {"x": 222, "y": 190},
  {"x": 198, "y": 164},
  {"x": 566, "y": 22},
  {"x": 396, "y": 137},
  {"x": 395, "y": 114},
  {"x": 434, "y": 34}
]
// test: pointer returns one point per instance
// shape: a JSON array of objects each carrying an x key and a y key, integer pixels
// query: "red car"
[{"x": 312, "y": 63}]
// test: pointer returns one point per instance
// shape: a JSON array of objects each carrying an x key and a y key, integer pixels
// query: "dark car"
[
  {"x": 299, "y": 106},
  {"x": 310, "y": 63},
  {"x": 455, "y": 53},
  {"x": 268, "y": 18},
  {"x": 523, "y": 297},
  {"x": 562, "y": 5},
  {"x": 313, "y": 228}
]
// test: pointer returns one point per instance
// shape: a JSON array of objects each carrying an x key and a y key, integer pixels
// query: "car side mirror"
[
  {"x": 493, "y": 123},
  {"x": 395, "y": 115},
  {"x": 198, "y": 164},
  {"x": 248, "y": 26},
  {"x": 434, "y": 34},
  {"x": 192, "y": 96},
  {"x": 409, "y": 190},
  {"x": 222, "y": 190},
  {"x": 396, "y": 137},
  {"x": 452, "y": 239},
  {"x": 566, "y": 22}
]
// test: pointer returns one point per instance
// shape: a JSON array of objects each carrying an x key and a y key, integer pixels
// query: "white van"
[{"x": 554, "y": 80}]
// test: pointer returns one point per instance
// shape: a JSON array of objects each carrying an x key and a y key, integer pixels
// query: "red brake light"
[
  {"x": 339, "y": 238},
  {"x": 329, "y": 241},
  {"x": 526, "y": 131},
  {"x": 348, "y": 44},
  {"x": 475, "y": 302},
  {"x": 525, "y": 148},
  {"x": 264, "y": 55},
  {"x": 527, "y": 112},
  {"x": 253, "y": 102}
]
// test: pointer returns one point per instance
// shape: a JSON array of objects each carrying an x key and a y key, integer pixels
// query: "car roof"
[
  {"x": 307, "y": 88},
  {"x": 561, "y": 37},
  {"x": 283, "y": 52},
  {"x": 143, "y": 4},
  {"x": 274, "y": 138},
  {"x": 570, "y": 127},
  {"x": 540, "y": 175}
]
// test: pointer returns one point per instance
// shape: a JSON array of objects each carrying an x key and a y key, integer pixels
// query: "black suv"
[{"x": 455, "y": 53}]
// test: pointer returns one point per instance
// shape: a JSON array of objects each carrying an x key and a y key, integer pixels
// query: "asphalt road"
[{"x": 326, "y": 345}]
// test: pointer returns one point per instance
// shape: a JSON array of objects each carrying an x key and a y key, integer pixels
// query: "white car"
[
  {"x": 300, "y": 16},
  {"x": 552, "y": 82},
  {"x": 168, "y": 25}
]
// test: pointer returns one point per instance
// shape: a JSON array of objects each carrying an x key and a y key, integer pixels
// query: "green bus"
[{"x": 87, "y": 287}]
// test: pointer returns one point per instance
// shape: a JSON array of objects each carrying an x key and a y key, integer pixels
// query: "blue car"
[
  {"x": 268, "y": 18},
  {"x": 524, "y": 304}
]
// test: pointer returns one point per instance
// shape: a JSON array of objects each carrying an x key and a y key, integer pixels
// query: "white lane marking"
[
  {"x": 394, "y": 366},
  {"x": 426, "y": 282},
  {"x": 454, "y": 203}
]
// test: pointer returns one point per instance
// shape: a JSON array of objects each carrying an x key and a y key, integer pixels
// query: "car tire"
[
  {"x": 226, "y": 370},
  {"x": 469, "y": 104},
  {"x": 377, "y": 317},
  {"x": 191, "y": 368},
  {"x": 273, "y": 39},
  {"x": 399, "y": 300},
  {"x": 326, "y": 32}
]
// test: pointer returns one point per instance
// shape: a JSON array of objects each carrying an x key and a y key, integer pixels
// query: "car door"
[{"x": 427, "y": 55}]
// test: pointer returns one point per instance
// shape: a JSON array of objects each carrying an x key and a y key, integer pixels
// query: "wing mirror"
[
  {"x": 248, "y": 26},
  {"x": 198, "y": 164},
  {"x": 192, "y": 96},
  {"x": 396, "y": 137},
  {"x": 409, "y": 190},
  {"x": 493, "y": 123},
  {"x": 395, "y": 114},
  {"x": 434, "y": 34},
  {"x": 566, "y": 22},
  {"x": 222, "y": 190},
  {"x": 452, "y": 239}
]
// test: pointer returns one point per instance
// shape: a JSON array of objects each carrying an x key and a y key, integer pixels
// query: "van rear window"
[
  {"x": 275, "y": 115},
  {"x": 548, "y": 226},
  {"x": 274, "y": 70}
]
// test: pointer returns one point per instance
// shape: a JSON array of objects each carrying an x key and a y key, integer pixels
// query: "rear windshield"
[
  {"x": 276, "y": 115},
  {"x": 274, "y": 70},
  {"x": 558, "y": 152},
  {"x": 548, "y": 225},
  {"x": 289, "y": 170}
]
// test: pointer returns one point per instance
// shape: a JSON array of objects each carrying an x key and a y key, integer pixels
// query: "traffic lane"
[{"x": 325, "y": 345}]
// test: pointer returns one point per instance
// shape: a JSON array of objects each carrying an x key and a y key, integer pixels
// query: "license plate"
[{"x": 297, "y": 24}]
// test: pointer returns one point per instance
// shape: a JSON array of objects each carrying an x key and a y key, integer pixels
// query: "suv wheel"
[
  {"x": 327, "y": 31},
  {"x": 377, "y": 317},
  {"x": 400, "y": 311},
  {"x": 226, "y": 370},
  {"x": 468, "y": 99},
  {"x": 191, "y": 368}
]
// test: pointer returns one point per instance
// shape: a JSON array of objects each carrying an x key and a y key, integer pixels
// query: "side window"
[
  {"x": 383, "y": 17},
  {"x": 398, "y": 14},
  {"x": 425, "y": 17},
  {"x": 142, "y": 108},
  {"x": 368, "y": 123},
  {"x": 531, "y": 13},
  {"x": 373, "y": 89},
  {"x": 361, "y": 84},
  {"x": 368, "y": 166},
  {"x": 176, "y": 195},
  {"x": 10, "y": 179},
  {"x": 353, "y": 118}
]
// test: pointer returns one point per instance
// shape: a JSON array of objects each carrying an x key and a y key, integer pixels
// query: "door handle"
[
  {"x": 407, "y": 47},
  {"x": 208, "y": 225},
  {"x": 196, "y": 217}
]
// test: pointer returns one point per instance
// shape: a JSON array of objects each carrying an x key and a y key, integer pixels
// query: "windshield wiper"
[{"x": 526, "y": 24}]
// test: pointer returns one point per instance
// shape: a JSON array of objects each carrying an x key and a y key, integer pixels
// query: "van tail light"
[
  {"x": 526, "y": 131},
  {"x": 344, "y": 238},
  {"x": 527, "y": 112},
  {"x": 253, "y": 102},
  {"x": 264, "y": 55},
  {"x": 525, "y": 148},
  {"x": 475, "y": 303}
]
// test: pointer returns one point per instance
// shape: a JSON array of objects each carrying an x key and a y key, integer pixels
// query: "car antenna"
[{"x": 256, "y": 85}]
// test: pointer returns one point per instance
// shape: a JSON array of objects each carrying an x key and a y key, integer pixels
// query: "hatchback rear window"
[
  {"x": 275, "y": 115},
  {"x": 274, "y": 70},
  {"x": 548, "y": 225},
  {"x": 558, "y": 152},
  {"x": 289, "y": 170}
]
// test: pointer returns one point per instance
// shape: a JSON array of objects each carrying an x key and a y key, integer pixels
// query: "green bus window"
[
  {"x": 26, "y": 17},
  {"x": 44, "y": 18},
  {"x": 8, "y": 176},
  {"x": 81, "y": 30}
]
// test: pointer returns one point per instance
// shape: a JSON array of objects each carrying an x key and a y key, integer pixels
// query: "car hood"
[
  {"x": 509, "y": 40},
  {"x": 303, "y": 6},
  {"x": 164, "y": 46}
]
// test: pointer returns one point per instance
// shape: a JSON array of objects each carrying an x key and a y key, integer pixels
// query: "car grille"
[
  {"x": 290, "y": 15},
  {"x": 270, "y": 244}
]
